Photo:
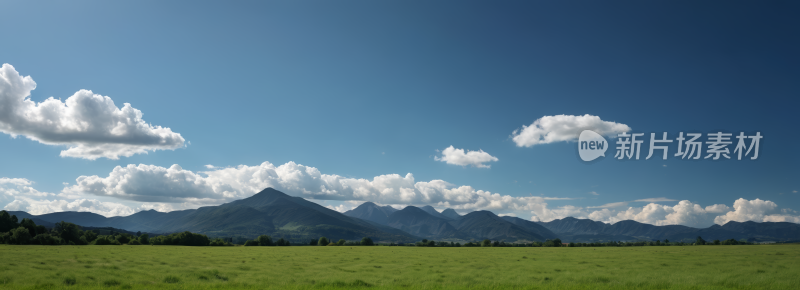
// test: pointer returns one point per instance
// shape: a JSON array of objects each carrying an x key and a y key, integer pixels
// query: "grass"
[{"x": 175, "y": 267}]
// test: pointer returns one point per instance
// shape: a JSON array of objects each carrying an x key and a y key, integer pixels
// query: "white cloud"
[
  {"x": 209, "y": 166},
  {"x": 90, "y": 125},
  {"x": 543, "y": 214},
  {"x": 549, "y": 129},
  {"x": 38, "y": 207},
  {"x": 452, "y": 155},
  {"x": 187, "y": 189},
  {"x": 12, "y": 188},
  {"x": 593, "y": 193},
  {"x": 755, "y": 210},
  {"x": 17, "y": 194}
]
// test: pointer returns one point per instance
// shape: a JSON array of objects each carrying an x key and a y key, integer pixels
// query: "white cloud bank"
[
  {"x": 165, "y": 189},
  {"x": 90, "y": 125},
  {"x": 549, "y": 129},
  {"x": 17, "y": 194},
  {"x": 452, "y": 155}
]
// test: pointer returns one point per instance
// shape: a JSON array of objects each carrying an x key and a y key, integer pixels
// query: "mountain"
[
  {"x": 531, "y": 227},
  {"x": 584, "y": 230},
  {"x": 419, "y": 222},
  {"x": 451, "y": 213},
  {"x": 481, "y": 225},
  {"x": 432, "y": 211},
  {"x": 573, "y": 226},
  {"x": 371, "y": 212},
  {"x": 268, "y": 212}
]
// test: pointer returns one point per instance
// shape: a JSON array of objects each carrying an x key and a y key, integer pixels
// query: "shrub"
[
  {"x": 264, "y": 240},
  {"x": 341, "y": 242},
  {"x": 20, "y": 236},
  {"x": 250, "y": 243},
  {"x": 323, "y": 241},
  {"x": 144, "y": 239},
  {"x": 220, "y": 242},
  {"x": 366, "y": 241}
]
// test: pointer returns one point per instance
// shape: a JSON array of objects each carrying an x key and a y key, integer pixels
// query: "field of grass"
[{"x": 176, "y": 267}]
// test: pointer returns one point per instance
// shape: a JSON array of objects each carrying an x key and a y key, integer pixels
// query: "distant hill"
[
  {"x": 371, "y": 212},
  {"x": 268, "y": 212},
  {"x": 432, "y": 211},
  {"x": 486, "y": 225},
  {"x": 418, "y": 222},
  {"x": 451, "y": 213},
  {"x": 531, "y": 227},
  {"x": 584, "y": 230}
]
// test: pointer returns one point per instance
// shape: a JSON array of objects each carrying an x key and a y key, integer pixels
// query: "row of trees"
[
  {"x": 64, "y": 233},
  {"x": 323, "y": 241},
  {"x": 27, "y": 232},
  {"x": 265, "y": 240}
]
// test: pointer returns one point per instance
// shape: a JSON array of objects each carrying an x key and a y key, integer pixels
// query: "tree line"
[{"x": 26, "y": 232}]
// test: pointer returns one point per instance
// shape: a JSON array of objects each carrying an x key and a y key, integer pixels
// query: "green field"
[{"x": 305, "y": 267}]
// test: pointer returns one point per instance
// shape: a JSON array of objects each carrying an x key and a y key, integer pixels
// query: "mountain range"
[{"x": 279, "y": 215}]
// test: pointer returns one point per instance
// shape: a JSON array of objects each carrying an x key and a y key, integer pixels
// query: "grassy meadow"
[{"x": 379, "y": 267}]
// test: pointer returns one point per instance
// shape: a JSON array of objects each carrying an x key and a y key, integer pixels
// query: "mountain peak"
[{"x": 451, "y": 213}]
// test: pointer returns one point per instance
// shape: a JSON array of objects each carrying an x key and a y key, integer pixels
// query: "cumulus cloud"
[
  {"x": 18, "y": 194},
  {"x": 549, "y": 129},
  {"x": 456, "y": 156},
  {"x": 90, "y": 125},
  {"x": 187, "y": 189},
  {"x": 38, "y": 207},
  {"x": 755, "y": 210}
]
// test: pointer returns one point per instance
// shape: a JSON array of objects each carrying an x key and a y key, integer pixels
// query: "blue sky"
[{"x": 360, "y": 89}]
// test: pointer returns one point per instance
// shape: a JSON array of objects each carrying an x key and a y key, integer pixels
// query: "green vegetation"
[{"x": 382, "y": 267}]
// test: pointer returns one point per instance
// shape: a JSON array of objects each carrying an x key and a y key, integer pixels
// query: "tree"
[
  {"x": 250, "y": 243},
  {"x": 323, "y": 241},
  {"x": 139, "y": 233},
  {"x": 341, "y": 242},
  {"x": 123, "y": 239},
  {"x": 46, "y": 239},
  {"x": 6, "y": 222},
  {"x": 486, "y": 243},
  {"x": 313, "y": 242},
  {"x": 219, "y": 242},
  {"x": 30, "y": 225},
  {"x": 716, "y": 242},
  {"x": 264, "y": 240},
  {"x": 366, "y": 241},
  {"x": 68, "y": 232},
  {"x": 20, "y": 236},
  {"x": 144, "y": 239},
  {"x": 700, "y": 241},
  {"x": 282, "y": 242}
]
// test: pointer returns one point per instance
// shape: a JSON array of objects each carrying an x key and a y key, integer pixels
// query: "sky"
[{"x": 118, "y": 107}]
